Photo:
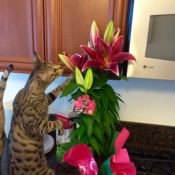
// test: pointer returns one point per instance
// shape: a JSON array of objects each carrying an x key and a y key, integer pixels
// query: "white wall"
[{"x": 147, "y": 101}]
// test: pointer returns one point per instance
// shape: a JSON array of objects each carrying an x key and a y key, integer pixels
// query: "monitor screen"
[{"x": 161, "y": 37}]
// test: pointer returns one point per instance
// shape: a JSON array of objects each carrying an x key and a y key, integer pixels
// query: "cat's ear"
[{"x": 36, "y": 59}]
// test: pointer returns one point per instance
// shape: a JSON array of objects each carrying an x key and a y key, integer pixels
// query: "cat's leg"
[
  {"x": 55, "y": 92},
  {"x": 43, "y": 127}
]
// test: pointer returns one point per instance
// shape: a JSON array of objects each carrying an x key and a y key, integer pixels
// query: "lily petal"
[
  {"x": 109, "y": 32},
  {"x": 67, "y": 61},
  {"x": 104, "y": 52},
  {"x": 114, "y": 69},
  {"x": 93, "y": 63},
  {"x": 78, "y": 60},
  {"x": 94, "y": 33},
  {"x": 116, "y": 36},
  {"x": 90, "y": 51},
  {"x": 123, "y": 56},
  {"x": 118, "y": 45}
]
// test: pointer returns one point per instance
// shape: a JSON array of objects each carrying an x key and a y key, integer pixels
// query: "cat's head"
[{"x": 45, "y": 72}]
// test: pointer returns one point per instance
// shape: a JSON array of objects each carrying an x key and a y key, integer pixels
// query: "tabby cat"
[
  {"x": 30, "y": 121},
  {"x": 3, "y": 82}
]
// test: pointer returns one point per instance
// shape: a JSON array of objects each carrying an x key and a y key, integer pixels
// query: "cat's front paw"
[
  {"x": 61, "y": 131},
  {"x": 60, "y": 127}
]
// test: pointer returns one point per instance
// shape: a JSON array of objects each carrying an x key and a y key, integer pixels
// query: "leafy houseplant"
[{"x": 92, "y": 69}]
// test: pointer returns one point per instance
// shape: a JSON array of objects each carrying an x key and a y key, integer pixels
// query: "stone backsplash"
[{"x": 148, "y": 136}]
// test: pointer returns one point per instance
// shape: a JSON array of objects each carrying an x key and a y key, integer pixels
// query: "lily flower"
[
  {"x": 106, "y": 53},
  {"x": 73, "y": 61},
  {"x": 106, "y": 57}
]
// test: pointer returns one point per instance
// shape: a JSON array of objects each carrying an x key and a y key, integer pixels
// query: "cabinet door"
[
  {"x": 67, "y": 23},
  {"x": 21, "y": 33}
]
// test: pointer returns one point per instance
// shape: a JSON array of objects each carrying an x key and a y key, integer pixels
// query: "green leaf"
[
  {"x": 95, "y": 97},
  {"x": 113, "y": 120},
  {"x": 88, "y": 79},
  {"x": 77, "y": 94},
  {"x": 74, "y": 134},
  {"x": 107, "y": 128},
  {"x": 62, "y": 148},
  {"x": 81, "y": 122},
  {"x": 104, "y": 99},
  {"x": 79, "y": 77},
  {"x": 88, "y": 121},
  {"x": 84, "y": 139},
  {"x": 98, "y": 132},
  {"x": 81, "y": 131},
  {"x": 59, "y": 153},
  {"x": 94, "y": 145},
  {"x": 109, "y": 32},
  {"x": 113, "y": 110},
  {"x": 100, "y": 79},
  {"x": 69, "y": 88},
  {"x": 110, "y": 93},
  {"x": 111, "y": 147},
  {"x": 119, "y": 98}
]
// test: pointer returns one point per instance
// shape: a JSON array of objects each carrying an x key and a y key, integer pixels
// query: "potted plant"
[{"x": 98, "y": 101}]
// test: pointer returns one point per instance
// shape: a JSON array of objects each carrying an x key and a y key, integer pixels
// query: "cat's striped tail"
[{"x": 3, "y": 82}]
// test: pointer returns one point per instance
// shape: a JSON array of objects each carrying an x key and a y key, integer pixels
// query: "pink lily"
[
  {"x": 105, "y": 56},
  {"x": 106, "y": 53},
  {"x": 73, "y": 61}
]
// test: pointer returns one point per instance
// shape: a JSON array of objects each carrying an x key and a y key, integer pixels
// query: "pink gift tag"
[{"x": 85, "y": 104}]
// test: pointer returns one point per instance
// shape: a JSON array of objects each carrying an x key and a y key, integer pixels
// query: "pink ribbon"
[{"x": 120, "y": 163}]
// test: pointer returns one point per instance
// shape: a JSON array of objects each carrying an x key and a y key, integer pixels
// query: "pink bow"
[{"x": 120, "y": 163}]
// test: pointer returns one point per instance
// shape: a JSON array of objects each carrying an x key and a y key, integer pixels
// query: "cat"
[
  {"x": 3, "y": 83},
  {"x": 30, "y": 121}
]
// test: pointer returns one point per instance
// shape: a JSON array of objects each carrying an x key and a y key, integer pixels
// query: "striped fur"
[
  {"x": 30, "y": 121},
  {"x": 3, "y": 82}
]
